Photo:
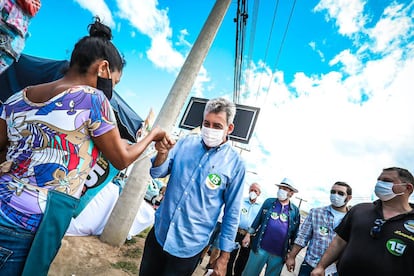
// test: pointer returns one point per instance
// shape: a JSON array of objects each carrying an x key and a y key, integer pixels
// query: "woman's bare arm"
[{"x": 120, "y": 153}]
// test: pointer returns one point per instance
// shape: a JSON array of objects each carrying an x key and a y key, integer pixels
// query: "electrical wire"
[
  {"x": 241, "y": 19},
  {"x": 251, "y": 43},
  {"x": 280, "y": 48},
  {"x": 267, "y": 46}
]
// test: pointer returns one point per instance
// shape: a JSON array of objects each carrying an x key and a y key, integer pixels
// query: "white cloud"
[
  {"x": 182, "y": 41},
  {"x": 347, "y": 124},
  {"x": 153, "y": 22},
  {"x": 99, "y": 8},
  {"x": 392, "y": 29},
  {"x": 351, "y": 63},
  {"x": 312, "y": 44},
  {"x": 348, "y": 14},
  {"x": 163, "y": 55}
]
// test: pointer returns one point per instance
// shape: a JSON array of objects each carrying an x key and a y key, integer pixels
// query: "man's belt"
[{"x": 242, "y": 231}]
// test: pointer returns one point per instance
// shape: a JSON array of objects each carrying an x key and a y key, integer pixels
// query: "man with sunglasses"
[
  {"x": 376, "y": 238},
  {"x": 317, "y": 231}
]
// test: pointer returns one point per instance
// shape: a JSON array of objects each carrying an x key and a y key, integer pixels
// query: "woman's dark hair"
[{"x": 94, "y": 47}]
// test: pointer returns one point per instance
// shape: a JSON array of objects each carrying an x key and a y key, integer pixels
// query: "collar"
[
  {"x": 247, "y": 199},
  {"x": 277, "y": 202},
  {"x": 378, "y": 208}
]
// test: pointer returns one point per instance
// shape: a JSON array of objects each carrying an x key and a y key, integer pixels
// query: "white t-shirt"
[{"x": 92, "y": 220}]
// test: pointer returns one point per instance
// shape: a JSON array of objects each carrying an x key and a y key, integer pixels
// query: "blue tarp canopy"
[{"x": 30, "y": 70}]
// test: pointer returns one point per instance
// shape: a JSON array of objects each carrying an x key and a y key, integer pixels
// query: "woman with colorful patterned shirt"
[{"x": 51, "y": 136}]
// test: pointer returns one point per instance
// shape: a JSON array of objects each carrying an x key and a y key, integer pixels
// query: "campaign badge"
[
  {"x": 274, "y": 215},
  {"x": 213, "y": 181},
  {"x": 409, "y": 225},
  {"x": 396, "y": 247},
  {"x": 283, "y": 217},
  {"x": 244, "y": 211},
  {"x": 323, "y": 230}
]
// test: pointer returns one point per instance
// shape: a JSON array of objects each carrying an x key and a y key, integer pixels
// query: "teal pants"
[{"x": 59, "y": 210}]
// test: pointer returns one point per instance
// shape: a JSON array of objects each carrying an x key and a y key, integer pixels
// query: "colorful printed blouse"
[{"x": 50, "y": 148}]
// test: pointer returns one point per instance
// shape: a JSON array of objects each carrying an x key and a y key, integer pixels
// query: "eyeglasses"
[
  {"x": 337, "y": 192},
  {"x": 376, "y": 229}
]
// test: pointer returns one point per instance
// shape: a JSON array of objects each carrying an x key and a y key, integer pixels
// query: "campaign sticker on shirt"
[
  {"x": 323, "y": 230},
  {"x": 283, "y": 217},
  {"x": 244, "y": 211},
  {"x": 213, "y": 181},
  {"x": 409, "y": 225},
  {"x": 274, "y": 215},
  {"x": 396, "y": 247}
]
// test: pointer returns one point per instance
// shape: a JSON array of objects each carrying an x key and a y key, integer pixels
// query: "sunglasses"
[
  {"x": 376, "y": 229},
  {"x": 337, "y": 192}
]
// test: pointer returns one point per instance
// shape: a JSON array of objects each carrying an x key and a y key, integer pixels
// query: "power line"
[
  {"x": 281, "y": 47},
  {"x": 251, "y": 43},
  {"x": 268, "y": 45},
  {"x": 241, "y": 22},
  {"x": 241, "y": 19}
]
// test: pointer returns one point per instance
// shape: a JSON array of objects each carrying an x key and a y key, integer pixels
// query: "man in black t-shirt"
[{"x": 376, "y": 238}]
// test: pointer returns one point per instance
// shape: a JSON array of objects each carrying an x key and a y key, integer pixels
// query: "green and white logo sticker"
[
  {"x": 323, "y": 230},
  {"x": 396, "y": 247},
  {"x": 283, "y": 217},
  {"x": 274, "y": 215},
  {"x": 213, "y": 181},
  {"x": 409, "y": 225}
]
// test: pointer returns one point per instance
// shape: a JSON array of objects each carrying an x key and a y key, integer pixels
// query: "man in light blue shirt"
[
  {"x": 205, "y": 173},
  {"x": 249, "y": 210}
]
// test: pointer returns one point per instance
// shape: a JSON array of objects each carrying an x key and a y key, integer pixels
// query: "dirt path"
[{"x": 86, "y": 256}]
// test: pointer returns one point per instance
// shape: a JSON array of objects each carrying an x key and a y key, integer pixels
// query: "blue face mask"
[
  {"x": 383, "y": 190},
  {"x": 282, "y": 194},
  {"x": 337, "y": 200}
]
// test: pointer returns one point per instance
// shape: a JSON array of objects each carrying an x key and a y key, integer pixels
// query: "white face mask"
[
  {"x": 383, "y": 190},
  {"x": 282, "y": 194},
  {"x": 212, "y": 137},
  {"x": 337, "y": 200},
  {"x": 252, "y": 195}
]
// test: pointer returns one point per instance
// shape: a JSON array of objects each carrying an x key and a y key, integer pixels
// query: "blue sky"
[{"x": 335, "y": 96}]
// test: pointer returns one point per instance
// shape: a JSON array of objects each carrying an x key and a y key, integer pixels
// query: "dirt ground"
[{"x": 87, "y": 256}]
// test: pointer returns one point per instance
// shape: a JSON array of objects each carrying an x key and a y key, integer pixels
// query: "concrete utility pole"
[{"x": 125, "y": 210}]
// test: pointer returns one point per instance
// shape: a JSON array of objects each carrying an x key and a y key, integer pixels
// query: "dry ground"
[{"x": 87, "y": 256}]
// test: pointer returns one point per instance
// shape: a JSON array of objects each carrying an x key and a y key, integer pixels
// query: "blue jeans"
[
  {"x": 257, "y": 261},
  {"x": 14, "y": 246},
  {"x": 305, "y": 269}
]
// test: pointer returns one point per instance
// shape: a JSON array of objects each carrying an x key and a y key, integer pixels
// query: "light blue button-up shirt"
[
  {"x": 248, "y": 213},
  {"x": 200, "y": 182}
]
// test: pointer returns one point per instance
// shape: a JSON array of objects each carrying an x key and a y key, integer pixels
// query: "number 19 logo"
[{"x": 396, "y": 246}]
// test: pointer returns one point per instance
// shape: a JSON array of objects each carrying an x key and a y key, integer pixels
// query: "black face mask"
[{"x": 105, "y": 85}]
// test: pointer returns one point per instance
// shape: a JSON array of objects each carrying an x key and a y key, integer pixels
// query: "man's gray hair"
[{"x": 218, "y": 105}]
